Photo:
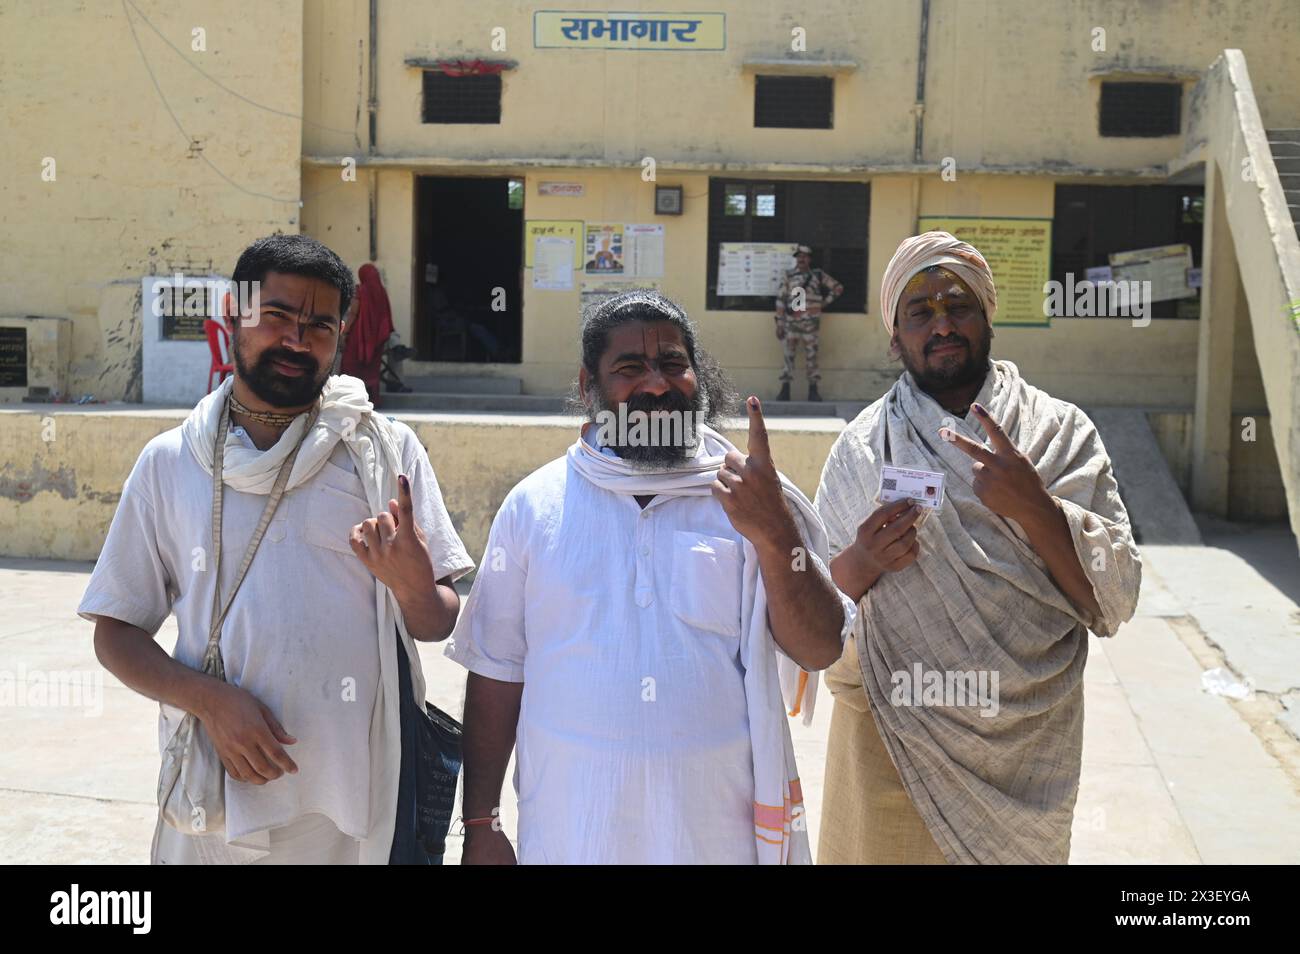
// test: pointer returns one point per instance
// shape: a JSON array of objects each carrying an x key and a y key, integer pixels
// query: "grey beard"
[{"x": 651, "y": 457}]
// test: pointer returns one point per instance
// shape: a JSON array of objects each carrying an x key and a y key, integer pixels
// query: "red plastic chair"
[{"x": 218, "y": 337}]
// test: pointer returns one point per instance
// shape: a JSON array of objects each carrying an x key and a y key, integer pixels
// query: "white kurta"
[
  {"x": 301, "y": 631},
  {"x": 624, "y": 624}
]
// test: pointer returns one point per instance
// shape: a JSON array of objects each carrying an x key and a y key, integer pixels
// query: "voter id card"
[{"x": 922, "y": 487}]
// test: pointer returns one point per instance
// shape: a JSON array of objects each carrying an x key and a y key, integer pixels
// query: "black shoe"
[
  {"x": 813, "y": 394},
  {"x": 785, "y": 392}
]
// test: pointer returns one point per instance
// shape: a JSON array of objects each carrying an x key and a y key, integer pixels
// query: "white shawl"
[
  {"x": 347, "y": 415},
  {"x": 771, "y": 679}
]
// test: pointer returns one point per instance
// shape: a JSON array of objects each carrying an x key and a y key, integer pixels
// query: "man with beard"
[
  {"x": 352, "y": 557},
  {"x": 625, "y": 631},
  {"x": 1031, "y": 548}
]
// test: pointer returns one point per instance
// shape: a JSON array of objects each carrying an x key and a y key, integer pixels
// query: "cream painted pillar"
[{"x": 1221, "y": 296}]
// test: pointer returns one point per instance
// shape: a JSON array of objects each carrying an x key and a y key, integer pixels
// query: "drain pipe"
[
  {"x": 920, "y": 82},
  {"x": 372, "y": 108}
]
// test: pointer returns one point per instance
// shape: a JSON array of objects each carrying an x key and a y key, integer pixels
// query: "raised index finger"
[
  {"x": 967, "y": 446},
  {"x": 758, "y": 446},
  {"x": 404, "y": 501},
  {"x": 994, "y": 430}
]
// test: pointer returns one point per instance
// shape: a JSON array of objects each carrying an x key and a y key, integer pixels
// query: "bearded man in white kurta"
[
  {"x": 626, "y": 632},
  {"x": 994, "y": 592},
  {"x": 356, "y": 561}
]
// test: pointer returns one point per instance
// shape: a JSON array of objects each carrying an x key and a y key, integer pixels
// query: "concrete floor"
[{"x": 1171, "y": 773}]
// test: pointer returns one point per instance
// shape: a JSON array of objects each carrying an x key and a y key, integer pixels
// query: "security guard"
[{"x": 804, "y": 292}]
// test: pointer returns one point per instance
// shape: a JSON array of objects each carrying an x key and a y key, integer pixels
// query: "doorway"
[{"x": 468, "y": 262}]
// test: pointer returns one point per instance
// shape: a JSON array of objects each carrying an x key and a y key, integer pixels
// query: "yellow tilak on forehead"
[{"x": 916, "y": 280}]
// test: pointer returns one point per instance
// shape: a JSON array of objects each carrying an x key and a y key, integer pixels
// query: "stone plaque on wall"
[
  {"x": 13, "y": 357},
  {"x": 183, "y": 311}
]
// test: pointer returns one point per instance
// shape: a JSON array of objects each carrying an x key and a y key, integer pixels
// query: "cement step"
[
  {"x": 436, "y": 401},
  {"x": 1284, "y": 149},
  {"x": 1287, "y": 164},
  {"x": 463, "y": 384},
  {"x": 1155, "y": 505},
  {"x": 1283, "y": 135}
]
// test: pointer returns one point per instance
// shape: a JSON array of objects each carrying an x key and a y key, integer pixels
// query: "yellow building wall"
[
  {"x": 1089, "y": 361},
  {"x": 1012, "y": 86},
  {"x": 132, "y": 195},
  {"x": 1008, "y": 82}
]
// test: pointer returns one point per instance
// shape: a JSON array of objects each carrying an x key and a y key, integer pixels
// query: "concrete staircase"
[
  {"x": 1285, "y": 146},
  {"x": 1252, "y": 265}
]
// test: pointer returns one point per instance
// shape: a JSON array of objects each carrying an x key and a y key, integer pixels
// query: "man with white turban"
[{"x": 958, "y": 723}]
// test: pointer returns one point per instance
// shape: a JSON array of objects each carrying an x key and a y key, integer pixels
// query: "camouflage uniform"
[{"x": 820, "y": 290}]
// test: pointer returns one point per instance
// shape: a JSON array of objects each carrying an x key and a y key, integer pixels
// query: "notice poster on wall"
[
  {"x": 1165, "y": 267},
  {"x": 1020, "y": 253},
  {"x": 594, "y": 291},
  {"x": 603, "y": 253},
  {"x": 753, "y": 268},
  {"x": 552, "y": 228},
  {"x": 645, "y": 250},
  {"x": 553, "y": 263}
]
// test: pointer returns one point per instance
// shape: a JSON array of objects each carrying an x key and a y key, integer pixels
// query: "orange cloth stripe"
[
  {"x": 798, "y": 701},
  {"x": 769, "y": 816}
]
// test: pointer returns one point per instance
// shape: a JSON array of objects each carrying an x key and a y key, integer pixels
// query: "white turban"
[{"x": 918, "y": 253}]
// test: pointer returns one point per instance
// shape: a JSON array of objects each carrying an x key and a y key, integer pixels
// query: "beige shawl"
[{"x": 999, "y": 788}]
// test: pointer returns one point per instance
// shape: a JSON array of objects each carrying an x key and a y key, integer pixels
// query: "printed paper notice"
[{"x": 553, "y": 263}]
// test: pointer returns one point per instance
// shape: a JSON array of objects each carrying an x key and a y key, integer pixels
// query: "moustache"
[
  {"x": 949, "y": 340},
  {"x": 289, "y": 358},
  {"x": 668, "y": 401}
]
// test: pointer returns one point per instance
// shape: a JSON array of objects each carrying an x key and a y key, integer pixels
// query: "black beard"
[
  {"x": 650, "y": 455},
  {"x": 957, "y": 371},
  {"x": 273, "y": 387}
]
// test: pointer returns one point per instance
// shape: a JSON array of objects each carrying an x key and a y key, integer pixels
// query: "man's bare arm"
[
  {"x": 491, "y": 721},
  {"x": 132, "y": 655},
  {"x": 247, "y": 736},
  {"x": 803, "y": 609}
]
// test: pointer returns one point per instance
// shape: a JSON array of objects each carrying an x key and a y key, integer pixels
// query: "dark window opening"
[
  {"x": 461, "y": 99},
  {"x": 794, "y": 102},
  {"x": 830, "y": 217},
  {"x": 1091, "y": 222},
  {"x": 1141, "y": 109}
]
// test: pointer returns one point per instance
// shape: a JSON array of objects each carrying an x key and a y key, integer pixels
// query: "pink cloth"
[{"x": 918, "y": 253}]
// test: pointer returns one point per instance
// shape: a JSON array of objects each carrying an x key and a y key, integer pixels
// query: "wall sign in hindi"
[
  {"x": 609, "y": 30},
  {"x": 1020, "y": 253},
  {"x": 13, "y": 357}
]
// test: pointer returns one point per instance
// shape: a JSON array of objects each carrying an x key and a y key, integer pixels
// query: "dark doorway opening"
[{"x": 468, "y": 263}]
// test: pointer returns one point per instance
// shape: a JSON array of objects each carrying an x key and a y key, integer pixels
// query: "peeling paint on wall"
[{"x": 16, "y": 485}]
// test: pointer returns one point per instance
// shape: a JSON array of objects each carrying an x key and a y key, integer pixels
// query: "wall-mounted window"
[
  {"x": 794, "y": 102},
  {"x": 1141, "y": 110},
  {"x": 1093, "y": 221},
  {"x": 831, "y": 217},
  {"x": 474, "y": 98}
]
